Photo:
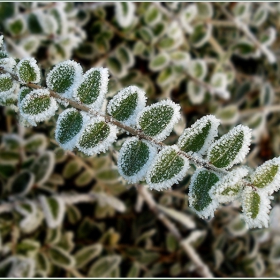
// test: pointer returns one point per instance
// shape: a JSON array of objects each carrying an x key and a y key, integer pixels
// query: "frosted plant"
[
  {"x": 125, "y": 13},
  {"x": 87, "y": 127}
]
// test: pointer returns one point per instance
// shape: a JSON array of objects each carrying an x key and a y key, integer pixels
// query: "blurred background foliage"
[{"x": 212, "y": 58}]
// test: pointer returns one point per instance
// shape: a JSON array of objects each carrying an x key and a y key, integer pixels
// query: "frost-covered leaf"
[
  {"x": 180, "y": 58},
  {"x": 22, "y": 183},
  {"x": 204, "y": 10},
  {"x": 229, "y": 187},
  {"x": 64, "y": 77},
  {"x": 16, "y": 25},
  {"x": 54, "y": 210},
  {"x": 255, "y": 207},
  {"x": 200, "y": 135},
  {"x": 198, "y": 68},
  {"x": 22, "y": 267},
  {"x": 237, "y": 227},
  {"x": 202, "y": 182},
  {"x": 187, "y": 16},
  {"x": 127, "y": 104},
  {"x": 157, "y": 120},
  {"x": 125, "y": 55},
  {"x": 195, "y": 92},
  {"x": 68, "y": 128},
  {"x": 93, "y": 88},
  {"x": 219, "y": 81},
  {"x": 228, "y": 114},
  {"x": 116, "y": 67},
  {"x": 267, "y": 95},
  {"x": 38, "y": 106},
  {"x": 167, "y": 169},
  {"x": 60, "y": 257},
  {"x": 28, "y": 71},
  {"x": 241, "y": 10},
  {"x": 231, "y": 148},
  {"x": 200, "y": 35},
  {"x": 267, "y": 176},
  {"x": 259, "y": 16},
  {"x": 8, "y": 63},
  {"x": 165, "y": 77},
  {"x": 23, "y": 92},
  {"x": 125, "y": 13},
  {"x": 86, "y": 254},
  {"x": 268, "y": 37},
  {"x": 36, "y": 143},
  {"x": 159, "y": 62},
  {"x": 96, "y": 137},
  {"x": 245, "y": 48},
  {"x": 152, "y": 15},
  {"x": 134, "y": 159},
  {"x": 7, "y": 86}
]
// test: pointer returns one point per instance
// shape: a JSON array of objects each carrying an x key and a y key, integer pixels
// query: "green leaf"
[
  {"x": 22, "y": 183},
  {"x": 71, "y": 169},
  {"x": 135, "y": 158},
  {"x": 96, "y": 137},
  {"x": 166, "y": 76},
  {"x": 198, "y": 69},
  {"x": 93, "y": 88},
  {"x": 64, "y": 77},
  {"x": 134, "y": 270},
  {"x": 152, "y": 16},
  {"x": 200, "y": 135},
  {"x": 73, "y": 214},
  {"x": 61, "y": 257},
  {"x": 157, "y": 120},
  {"x": 36, "y": 143},
  {"x": 87, "y": 254},
  {"x": 28, "y": 71},
  {"x": 228, "y": 114},
  {"x": 195, "y": 92},
  {"x": 84, "y": 178},
  {"x": 187, "y": 15},
  {"x": 7, "y": 10},
  {"x": 199, "y": 193},
  {"x": 125, "y": 13},
  {"x": 7, "y": 85},
  {"x": 16, "y": 25},
  {"x": 200, "y": 34},
  {"x": 42, "y": 262},
  {"x": 34, "y": 25},
  {"x": 204, "y": 10},
  {"x": 168, "y": 169},
  {"x": 126, "y": 104},
  {"x": 125, "y": 56},
  {"x": 116, "y": 67},
  {"x": 23, "y": 92},
  {"x": 231, "y": 148},
  {"x": 159, "y": 62}
]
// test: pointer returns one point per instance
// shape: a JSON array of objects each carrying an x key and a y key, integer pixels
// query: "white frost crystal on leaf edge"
[
  {"x": 210, "y": 209},
  {"x": 140, "y": 175},
  {"x": 33, "y": 119},
  {"x": 97, "y": 104},
  {"x": 228, "y": 181},
  {"x": 168, "y": 183},
  {"x": 6, "y": 94},
  {"x": 199, "y": 125},
  {"x": 245, "y": 145},
  {"x": 124, "y": 93},
  {"x": 175, "y": 118},
  {"x": 8, "y": 63},
  {"x": 102, "y": 146},
  {"x": 122, "y": 19},
  {"x": 33, "y": 64},
  {"x": 262, "y": 219},
  {"x": 202, "y": 64}
]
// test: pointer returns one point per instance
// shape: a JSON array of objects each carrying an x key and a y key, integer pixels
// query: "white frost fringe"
[
  {"x": 33, "y": 63},
  {"x": 125, "y": 20}
]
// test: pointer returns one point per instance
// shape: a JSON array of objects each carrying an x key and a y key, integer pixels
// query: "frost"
[
  {"x": 198, "y": 68},
  {"x": 28, "y": 71},
  {"x": 93, "y": 88},
  {"x": 158, "y": 119},
  {"x": 228, "y": 188},
  {"x": 167, "y": 169},
  {"x": 135, "y": 158},
  {"x": 187, "y": 16},
  {"x": 7, "y": 86},
  {"x": 200, "y": 135},
  {"x": 195, "y": 92},
  {"x": 125, "y": 13},
  {"x": 127, "y": 104},
  {"x": 97, "y": 136},
  {"x": 255, "y": 207},
  {"x": 64, "y": 77},
  {"x": 219, "y": 82},
  {"x": 38, "y": 106},
  {"x": 231, "y": 148},
  {"x": 1, "y": 40},
  {"x": 8, "y": 63}
]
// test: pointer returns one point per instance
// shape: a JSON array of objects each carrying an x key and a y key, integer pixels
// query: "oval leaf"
[
  {"x": 159, "y": 62},
  {"x": 7, "y": 85},
  {"x": 85, "y": 255},
  {"x": 125, "y": 13},
  {"x": 200, "y": 35},
  {"x": 22, "y": 183},
  {"x": 195, "y": 92},
  {"x": 198, "y": 68},
  {"x": 23, "y": 92},
  {"x": 60, "y": 257},
  {"x": 28, "y": 71}
]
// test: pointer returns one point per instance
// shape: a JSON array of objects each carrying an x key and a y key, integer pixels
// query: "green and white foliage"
[
  {"x": 7, "y": 86},
  {"x": 127, "y": 104},
  {"x": 220, "y": 83},
  {"x": 200, "y": 135},
  {"x": 231, "y": 148},
  {"x": 16, "y": 26},
  {"x": 64, "y": 77},
  {"x": 187, "y": 16},
  {"x": 197, "y": 68},
  {"x": 21, "y": 183},
  {"x": 93, "y": 88},
  {"x": 202, "y": 183},
  {"x": 37, "y": 106},
  {"x": 28, "y": 71},
  {"x": 167, "y": 169},
  {"x": 96, "y": 136},
  {"x": 195, "y": 92},
  {"x": 157, "y": 120},
  {"x": 125, "y": 13},
  {"x": 135, "y": 158},
  {"x": 200, "y": 35}
]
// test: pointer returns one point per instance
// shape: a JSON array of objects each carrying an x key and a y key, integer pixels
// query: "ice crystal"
[
  {"x": 158, "y": 119},
  {"x": 93, "y": 88},
  {"x": 64, "y": 77},
  {"x": 167, "y": 169},
  {"x": 7, "y": 86},
  {"x": 135, "y": 158},
  {"x": 127, "y": 104},
  {"x": 37, "y": 106},
  {"x": 8, "y": 63},
  {"x": 125, "y": 13},
  {"x": 200, "y": 135},
  {"x": 28, "y": 71}
]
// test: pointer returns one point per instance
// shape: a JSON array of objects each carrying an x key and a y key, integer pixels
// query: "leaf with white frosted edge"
[
  {"x": 267, "y": 176},
  {"x": 231, "y": 148},
  {"x": 229, "y": 187},
  {"x": 187, "y": 16},
  {"x": 242, "y": 10},
  {"x": 21, "y": 183},
  {"x": 180, "y": 58},
  {"x": 157, "y": 120},
  {"x": 87, "y": 254},
  {"x": 195, "y": 92},
  {"x": 200, "y": 135},
  {"x": 8, "y": 63},
  {"x": 60, "y": 257},
  {"x": 152, "y": 15},
  {"x": 228, "y": 114},
  {"x": 159, "y": 62},
  {"x": 200, "y": 35},
  {"x": 268, "y": 37},
  {"x": 255, "y": 207},
  {"x": 16, "y": 25},
  {"x": 135, "y": 158},
  {"x": 68, "y": 128},
  {"x": 96, "y": 137},
  {"x": 64, "y": 77},
  {"x": 125, "y": 13},
  {"x": 167, "y": 169},
  {"x": 204, "y": 10},
  {"x": 1, "y": 40},
  {"x": 28, "y": 71},
  {"x": 125, "y": 55},
  {"x": 127, "y": 104},
  {"x": 38, "y": 106},
  {"x": 200, "y": 186},
  {"x": 259, "y": 16},
  {"x": 23, "y": 92},
  {"x": 267, "y": 95},
  {"x": 219, "y": 80},
  {"x": 54, "y": 210},
  {"x": 197, "y": 68},
  {"x": 7, "y": 85},
  {"x": 93, "y": 88}
]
